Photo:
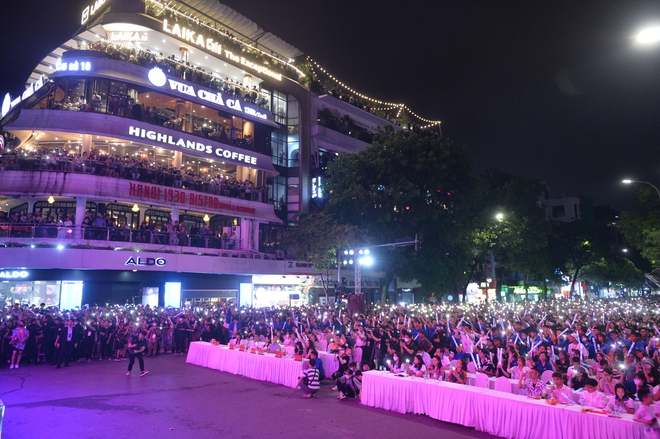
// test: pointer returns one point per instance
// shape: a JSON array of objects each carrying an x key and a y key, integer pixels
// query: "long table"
[
  {"x": 267, "y": 367},
  {"x": 498, "y": 413}
]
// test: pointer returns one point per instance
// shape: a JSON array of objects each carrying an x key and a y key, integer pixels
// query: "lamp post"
[
  {"x": 649, "y": 35},
  {"x": 643, "y": 182}
]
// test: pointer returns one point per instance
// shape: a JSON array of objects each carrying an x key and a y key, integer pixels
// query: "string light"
[{"x": 388, "y": 105}]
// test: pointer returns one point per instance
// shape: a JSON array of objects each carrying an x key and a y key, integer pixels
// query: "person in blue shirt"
[
  {"x": 543, "y": 364},
  {"x": 460, "y": 355},
  {"x": 634, "y": 342},
  {"x": 234, "y": 327},
  {"x": 314, "y": 355}
]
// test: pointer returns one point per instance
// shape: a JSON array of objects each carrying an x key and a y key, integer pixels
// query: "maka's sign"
[{"x": 146, "y": 262}]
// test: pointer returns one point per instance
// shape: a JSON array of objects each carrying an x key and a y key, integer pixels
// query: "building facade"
[{"x": 162, "y": 149}]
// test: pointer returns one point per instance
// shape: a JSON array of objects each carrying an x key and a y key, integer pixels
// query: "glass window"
[
  {"x": 278, "y": 146},
  {"x": 277, "y": 192},
  {"x": 99, "y": 100},
  {"x": 279, "y": 107},
  {"x": 75, "y": 94},
  {"x": 123, "y": 215}
]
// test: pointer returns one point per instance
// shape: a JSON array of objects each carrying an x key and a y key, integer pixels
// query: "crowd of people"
[
  {"x": 605, "y": 349},
  {"x": 131, "y": 167},
  {"x": 105, "y": 227}
]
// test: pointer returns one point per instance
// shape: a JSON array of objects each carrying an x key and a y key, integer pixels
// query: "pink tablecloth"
[
  {"x": 498, "y": 413},
  {"x": 267, "y": 367},
  {"x": 443, "y": 401},
  {"x": 514, "y": 416},
  {"x": 596, "y": 426}
]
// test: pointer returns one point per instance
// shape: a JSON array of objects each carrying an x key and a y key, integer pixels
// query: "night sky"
[{"x": 553, "y": 89}]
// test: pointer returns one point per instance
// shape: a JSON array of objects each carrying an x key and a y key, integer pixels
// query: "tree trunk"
[
  {"x": 575, "y": 275},
  {"x": 463, "y": 291}
]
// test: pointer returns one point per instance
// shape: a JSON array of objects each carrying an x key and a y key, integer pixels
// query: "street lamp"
[
  {"x": 649, "y": 35},
  {"x": 642, "y": 182},
  {"x": 499, "y": 216}
]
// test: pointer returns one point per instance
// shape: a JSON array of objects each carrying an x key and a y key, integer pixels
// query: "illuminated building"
[{"x": 162, "y": 112}]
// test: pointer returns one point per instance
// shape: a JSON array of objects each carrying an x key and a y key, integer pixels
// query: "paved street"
[{"x": 177, "y": 400}]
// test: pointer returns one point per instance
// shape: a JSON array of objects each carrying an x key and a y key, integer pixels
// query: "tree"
[
  {"x": 402, "y": 185},
  {"x": 615, "y": 271},
  {"x": 575, "y": 246},
  {"x": 642, "y": 229},
  {"x": 509, "y": 222},
  {"x": 317, "y": 240}
]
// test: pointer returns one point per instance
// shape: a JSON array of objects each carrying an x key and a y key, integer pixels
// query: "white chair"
[
  {"x": 471, "y": 368},
  {"x": 481, "y": 380},
  {"x": 503, "y": 384},
  {"x": 546, "y": 376}
]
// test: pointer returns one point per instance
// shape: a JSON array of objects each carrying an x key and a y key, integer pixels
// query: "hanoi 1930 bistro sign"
[{"x": 182, "y": 197}]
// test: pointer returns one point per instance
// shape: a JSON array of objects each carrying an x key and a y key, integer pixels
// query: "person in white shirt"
[
  {"x": 645, "y": 413},
  {"x": 591, "y": 397},
  {"x": 606, "y": 383},
  {"x": 558, "y": 390},
  {"x": 576, "y": 348},
  {"x": 621, "y": 401},
  {"x": 417, "y": 368},
  {"x": 572, "y": 370},
  {"x": 519, "y": 369}
]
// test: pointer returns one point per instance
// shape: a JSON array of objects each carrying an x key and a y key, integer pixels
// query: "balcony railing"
[
  {"x": 102, "y": 237},
  {"x": 136, "y": 172}
]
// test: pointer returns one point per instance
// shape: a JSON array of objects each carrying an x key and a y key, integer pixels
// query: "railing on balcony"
[
  {"x": 56, "y": 234},
  {"x": 107, "y": 167}
]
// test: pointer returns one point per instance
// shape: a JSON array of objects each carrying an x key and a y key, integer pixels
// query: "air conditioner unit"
[{"x": 279, "y": 254}]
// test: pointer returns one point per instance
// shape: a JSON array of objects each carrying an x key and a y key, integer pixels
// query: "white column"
[
  {"x": 175, "y": 214},
  {"x": 81, "y": 208},
  {"x": 86, "y": 143},
  {"x": 246, "y": 234},
  {"x": 255, "y": 235},
  {"x": 178, "y": 159}
]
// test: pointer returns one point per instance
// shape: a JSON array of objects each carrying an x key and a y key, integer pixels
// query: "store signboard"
[
  {"x": 317, "y": 187},
  {"x": 184, "y": 198},
  {"x": 8, "y": 103},
  {"x": 146, "y": 262},
  {"x": 205, "y": 42},
  {"x": 218, "y": 99},
  {"x": 14, "y": 274},
  {"x": 91, "y": 10},
  {"x": 192, "y": 143}
]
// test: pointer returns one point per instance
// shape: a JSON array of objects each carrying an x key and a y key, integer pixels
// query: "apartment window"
[{"x": 558, "y": 212}]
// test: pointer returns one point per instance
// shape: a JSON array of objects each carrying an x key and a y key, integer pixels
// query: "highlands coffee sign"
[{"x": 192, "y": 145}]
